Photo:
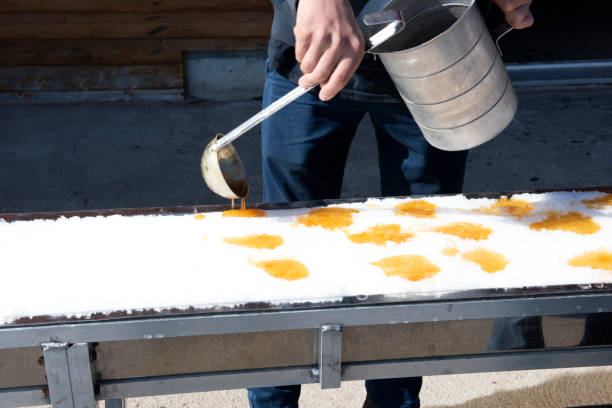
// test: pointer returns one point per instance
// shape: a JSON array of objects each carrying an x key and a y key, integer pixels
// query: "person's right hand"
[{"x": 328, "y": 44}]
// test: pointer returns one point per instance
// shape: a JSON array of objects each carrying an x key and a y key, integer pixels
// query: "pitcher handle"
[{"x": 499, "y": 31}]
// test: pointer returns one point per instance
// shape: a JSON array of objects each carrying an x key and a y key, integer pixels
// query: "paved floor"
[
  {"x": 68, "y": 157},
  {"x": 537, "y": 388}
]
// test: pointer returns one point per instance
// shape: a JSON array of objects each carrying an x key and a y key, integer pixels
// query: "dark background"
[{"x": 563, "y": 30}]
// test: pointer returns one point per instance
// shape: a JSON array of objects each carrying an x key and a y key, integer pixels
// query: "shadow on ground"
[{"x": 560, "y": 391}]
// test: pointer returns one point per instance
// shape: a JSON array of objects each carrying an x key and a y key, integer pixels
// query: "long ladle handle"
[{"x": 383, "y": 35}]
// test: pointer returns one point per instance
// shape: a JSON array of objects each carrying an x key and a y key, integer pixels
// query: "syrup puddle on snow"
[
  {"x": 572, "y": 221},
  {"x": 199, "y": 216},
  {"x": 450, "y": 251},
  {"x": 380, "y": 235},
  {"x": 489, "y": 261},
  {"x": 256, "y": 241},
  {"x": 465, "y": 230},
  {"x": 244, "y": 212},
  {"x": 329, "y": 218},
  {"x": 508, "y": 206},
  {"x": 286, "y": 269},
  {"x": 416, "y": 208},
  {"x": 599, "y": 259},
  {"x": 599, "y": 202},
  {"x": 411, "y": 267}
]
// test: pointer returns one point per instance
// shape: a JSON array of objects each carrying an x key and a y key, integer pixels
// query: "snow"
[{"x": 78, "y": 266}]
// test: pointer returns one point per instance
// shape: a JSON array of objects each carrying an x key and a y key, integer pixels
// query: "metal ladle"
[{"x": 221, "y": 166}]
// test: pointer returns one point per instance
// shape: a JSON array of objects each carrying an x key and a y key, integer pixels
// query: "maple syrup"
[
  {"x": 599, "y": 202},
  {"x": 489, "y": 261},
  {"x": 509, "y": 206},
  {"x": 599, "y": 259},
  {"x": 286, "y": 269},
  {"x": 257, "y": 241},
  {"x": 411, "y": 267},
  {"x": 380, "y": 235},
  {"x": 572, "y": 221},
  {"x": 328, "y": 217},
  {"x": 465, "y": 230},
  {"x": 416, "y": 208},
  {"x": 450, "y": 251}
]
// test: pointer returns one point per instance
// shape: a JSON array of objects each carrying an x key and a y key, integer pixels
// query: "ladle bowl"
[{"x": 222, "y": 170}]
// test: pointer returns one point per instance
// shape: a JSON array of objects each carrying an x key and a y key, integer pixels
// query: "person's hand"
[
  {"x": 517, "y": 12},
  {"x": 328, "y": 44}
]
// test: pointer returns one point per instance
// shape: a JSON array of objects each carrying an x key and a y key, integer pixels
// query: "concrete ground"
[
  {"x": 69, "y": 157},
  {"x": 87, "y": 156},
  {"x": 537, "y": 388}
]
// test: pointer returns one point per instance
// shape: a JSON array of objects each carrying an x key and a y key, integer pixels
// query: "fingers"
[
  {"x": 302, "y": 42},
  {"x": 517, "y": 12},
  {"x": 520, "y": 17},
  {"x": 323, "y": 70},
  {"x": 326, "y": 33},
  {"x": 318, "y": 47},
  {"x": 341, "y": 75},
  {"x": 335, "y": 68}
]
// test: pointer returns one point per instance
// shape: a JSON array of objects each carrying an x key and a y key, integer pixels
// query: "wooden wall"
[{"x": 125, "y": 48}]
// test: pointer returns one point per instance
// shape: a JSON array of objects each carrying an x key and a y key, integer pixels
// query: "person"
[{"x": 305, "y": 145}]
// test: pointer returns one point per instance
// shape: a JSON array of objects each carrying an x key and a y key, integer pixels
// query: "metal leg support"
[
  {"x": 69, "y": 375},
  {"x": 330, "y": 356}
]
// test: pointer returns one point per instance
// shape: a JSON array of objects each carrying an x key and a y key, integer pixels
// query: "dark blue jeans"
[
  {"x": 305, "y": 145},
  {"x": 304, "y": 149}
]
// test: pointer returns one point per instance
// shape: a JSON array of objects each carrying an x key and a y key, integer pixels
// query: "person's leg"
[
  {"x": 274, "y": 397},
  {"x": 408, "y": 164},
  {"x": 305, "y": 144},
  {"x": 304, "y": 149},
  {"x": 395, "y": 392}
]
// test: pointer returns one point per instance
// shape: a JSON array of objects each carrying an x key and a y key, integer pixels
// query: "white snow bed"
[{"x": 79, "y": 266}]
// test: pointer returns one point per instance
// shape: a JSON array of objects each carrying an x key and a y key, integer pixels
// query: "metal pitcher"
[{"x": 448, "y": 71}]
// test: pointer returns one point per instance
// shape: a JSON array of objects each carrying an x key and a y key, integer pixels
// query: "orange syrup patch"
[
  {"x": 599, "y": 202},
  {"x": 450, "y": 251},
  {"x": 509, "y": 206},
  {"x": 411, "y": 267},
  {"x": 329, "y": 218},
  {"x": 246, "y": 213},
  {"x": 199, "y": 216},
  {"x": 489, "y": 261},
  {"x": 572, "y": 221},
  {"x": 416, "y": 208},
  {"x": 599, "y": 259},
  {"x": 465, "y": 230},
  {"x": 380, "y": 235},
  {"x": 286, "y": 269},
  {"x": 257, "y": 241}
]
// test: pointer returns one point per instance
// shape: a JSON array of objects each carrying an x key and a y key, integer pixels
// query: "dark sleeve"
[{"x": 284, "y": 20}]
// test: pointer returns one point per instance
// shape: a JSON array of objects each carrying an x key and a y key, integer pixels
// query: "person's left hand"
[{"x": 517, "y": 12}]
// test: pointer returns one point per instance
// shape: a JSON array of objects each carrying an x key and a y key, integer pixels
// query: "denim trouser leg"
[
  {"x": 274, "y": 397},
  {"x": 408, "y": 164},
  {"x": 305, "y": 145},
  {"x": 304, "y": 150},
  {"x": 395, "y": 392}
]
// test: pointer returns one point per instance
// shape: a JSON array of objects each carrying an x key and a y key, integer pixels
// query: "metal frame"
[
  {"x": 163, "y": 385},
  {"x": 588, "y": 301},
  {"x": 519, "y": 360},
  {"x": 69, "y": 375},
  {"x": 69, "y": 369},
  {"x": 330, "y": 356}
]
